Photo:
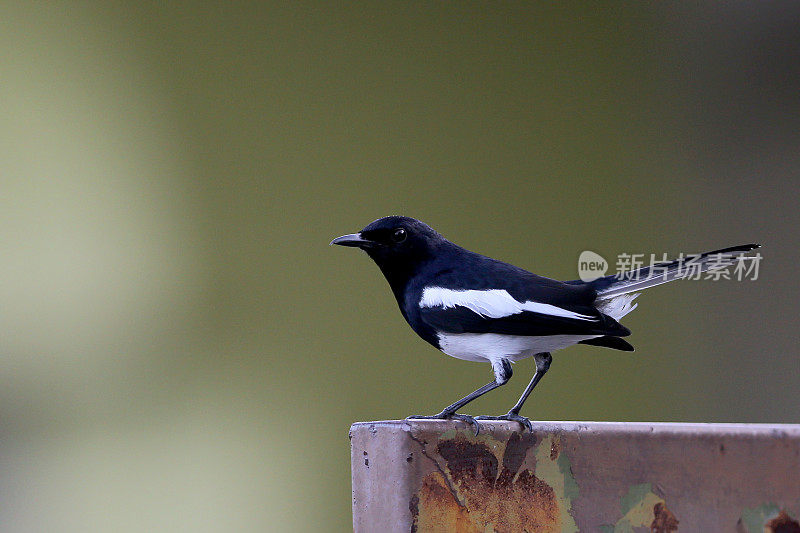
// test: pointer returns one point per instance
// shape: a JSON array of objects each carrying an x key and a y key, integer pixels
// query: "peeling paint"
[
  {"x": 753, "y": 519},
  {"x": 768, "y": 518},
  {"x": 558, "y": 474},
  {"x": 437, "y": 476},
  {"x": 485, "y": 484},
  {"x": 663, "y": 521},
  {"x": 642, "y": 508},
  {"x": 783, "y": 523}
]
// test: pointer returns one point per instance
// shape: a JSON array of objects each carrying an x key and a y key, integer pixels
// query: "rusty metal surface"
[{"x": 433, "y": 475}]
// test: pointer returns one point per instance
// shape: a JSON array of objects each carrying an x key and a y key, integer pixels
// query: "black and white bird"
[{"x": 476, "y": 308}]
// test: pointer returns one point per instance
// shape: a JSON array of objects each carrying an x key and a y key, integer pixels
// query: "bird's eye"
[{"x": 399, "y": 235}]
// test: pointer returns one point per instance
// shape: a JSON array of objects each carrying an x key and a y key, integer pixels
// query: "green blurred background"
[{"x": 180, "y": 350}]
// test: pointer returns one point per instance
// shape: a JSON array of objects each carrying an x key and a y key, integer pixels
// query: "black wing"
[
  {"x": 459, "y": 319},
  {"x": 464, "y": 270}
]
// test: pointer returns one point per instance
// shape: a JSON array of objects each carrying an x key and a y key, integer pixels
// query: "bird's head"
[{"x": 399, "y": 245}]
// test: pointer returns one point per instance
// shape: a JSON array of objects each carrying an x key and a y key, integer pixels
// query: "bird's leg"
[
  {"x": 543, "y": 361},
  {"x": 502, "y": 375},
  {"x": 449, "y": 412}
]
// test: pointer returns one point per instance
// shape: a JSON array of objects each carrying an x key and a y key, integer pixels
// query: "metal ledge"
[{"x": 436, "y": 475}]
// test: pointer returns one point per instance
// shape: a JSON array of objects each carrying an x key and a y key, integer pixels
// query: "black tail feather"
[
  {"x": 651, "y": 275},
  {"x": 609, "y": 342}
]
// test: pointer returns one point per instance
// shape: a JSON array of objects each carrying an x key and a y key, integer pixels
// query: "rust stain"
[
  {"x": 782, "y": 523},
  {"x": 554, "y": 449},
  {"x": 664, "y": 521},
  {"x": 487, "y": 490},
  {"x": 465, "y": 459},
  {"x": 514, "y": 455},
  {"x": 437, "y": 509},
  {"x": 413, "y": 506}
]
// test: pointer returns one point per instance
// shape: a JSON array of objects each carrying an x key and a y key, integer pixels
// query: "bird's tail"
[{"x": 610, "y": 288}]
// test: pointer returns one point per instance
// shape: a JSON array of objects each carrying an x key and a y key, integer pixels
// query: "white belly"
[{"x": 493, "y": 346}]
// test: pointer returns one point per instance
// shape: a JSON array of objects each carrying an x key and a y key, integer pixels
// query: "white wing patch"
[{"x": 492, "y": 303}]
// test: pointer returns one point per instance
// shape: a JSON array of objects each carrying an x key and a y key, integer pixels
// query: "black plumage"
[{"x": 474, "y": 307}]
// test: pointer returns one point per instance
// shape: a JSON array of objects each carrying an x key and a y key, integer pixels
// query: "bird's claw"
[
  {"x": 469, "y": 420},
  {"x": 526, "y": 423},
  {"x": 450, "y": 416}
]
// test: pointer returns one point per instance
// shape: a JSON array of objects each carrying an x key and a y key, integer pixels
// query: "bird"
[{"x": 476, "y": 308}]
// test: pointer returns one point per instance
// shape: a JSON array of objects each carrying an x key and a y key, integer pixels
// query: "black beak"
[{"x": 353, "y": 239}]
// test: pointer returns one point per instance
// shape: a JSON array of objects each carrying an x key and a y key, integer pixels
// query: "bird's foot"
[
  {"x": 526, "y": 423},
  {"x": 444, "y": 415}
]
